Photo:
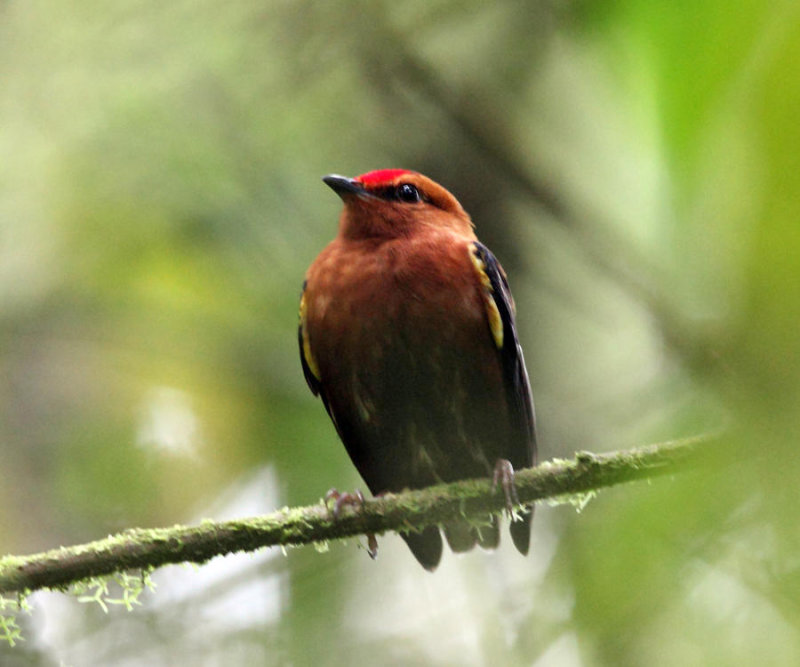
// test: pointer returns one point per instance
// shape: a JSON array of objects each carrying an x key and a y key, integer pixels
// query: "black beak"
[{"x": 344, "y": 186}]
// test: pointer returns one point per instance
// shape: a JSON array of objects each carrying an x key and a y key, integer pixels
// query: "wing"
[
  {"x": 309, "y": 363},
  {"x": 500, "y": 313},
  {"x": 310, "y": 370}
]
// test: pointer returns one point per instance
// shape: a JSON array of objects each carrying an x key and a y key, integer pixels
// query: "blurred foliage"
[{"x": 634, "y": 165}]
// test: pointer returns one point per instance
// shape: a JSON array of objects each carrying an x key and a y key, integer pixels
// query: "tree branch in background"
[
  {"x": 141, "y": 549},
  {"x": 394, "y": 66}
]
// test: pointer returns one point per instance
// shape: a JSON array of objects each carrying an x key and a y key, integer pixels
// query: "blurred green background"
[{"x": 634, "y": 164}]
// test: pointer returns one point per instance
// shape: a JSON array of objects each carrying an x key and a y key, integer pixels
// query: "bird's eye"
[{"x": 408, "y": 193}]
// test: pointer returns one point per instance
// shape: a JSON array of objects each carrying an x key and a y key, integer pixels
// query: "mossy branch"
[{"x": 140, "y": 549}]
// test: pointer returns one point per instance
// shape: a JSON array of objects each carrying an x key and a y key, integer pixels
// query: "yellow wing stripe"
[
  {"x": 310, "y": 361},
  {"x": 492, "y": 313}
]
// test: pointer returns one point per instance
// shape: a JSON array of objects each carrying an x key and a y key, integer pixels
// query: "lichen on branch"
[{"x": 141, "y": 549}]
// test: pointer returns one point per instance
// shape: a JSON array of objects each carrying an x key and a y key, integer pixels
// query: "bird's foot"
[
  {"x": 355, "y": 499},
  {"x": 504, "y": 475}
]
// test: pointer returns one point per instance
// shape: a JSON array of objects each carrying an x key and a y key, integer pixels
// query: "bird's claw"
[
  {"x": 504, "y": 475},
  {"x": 355, "y": 499},
  {"x": 372, "y": 546}
]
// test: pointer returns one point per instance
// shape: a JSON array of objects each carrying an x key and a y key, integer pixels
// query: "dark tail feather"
[
  {"x": 460, "y": 536},
  {"x": 426, "y": 546},
  {"x": 521, "y": 531},
  {"x": 489, "y": 536}
]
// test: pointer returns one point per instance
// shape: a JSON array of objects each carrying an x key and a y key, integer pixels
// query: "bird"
[{"x": 407, "y": 333}]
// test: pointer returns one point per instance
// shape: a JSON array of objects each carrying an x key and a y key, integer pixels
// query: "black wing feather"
[
  {"x": 515, "y": 376},
  {"x": 517, "y": 386}
]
